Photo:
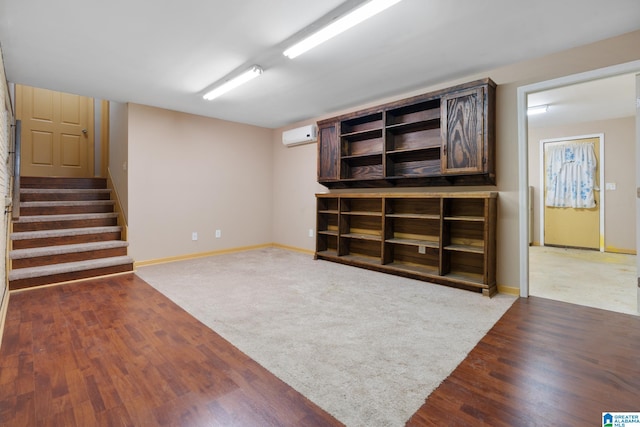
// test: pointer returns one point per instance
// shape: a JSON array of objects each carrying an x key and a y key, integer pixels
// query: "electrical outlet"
[
  {"x": 194, "y": 236},
  {"x": 218, "y": 234},
  {"x": 311, "y": 232},
  {"x": 422, "y": 249}
]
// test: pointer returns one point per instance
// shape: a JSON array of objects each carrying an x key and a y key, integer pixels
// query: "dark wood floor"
[
  {"x": 545, "y": 363},
  {"x": 116, "y": 352}
]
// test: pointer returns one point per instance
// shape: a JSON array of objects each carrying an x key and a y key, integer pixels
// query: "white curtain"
[{"x": 570, "y": 175}]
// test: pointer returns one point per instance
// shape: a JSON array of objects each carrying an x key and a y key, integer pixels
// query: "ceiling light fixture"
[
  {"x": 538, "y": 109},
  {"x": 353, "y": 18},
  {"x": 250, "y": 74}
]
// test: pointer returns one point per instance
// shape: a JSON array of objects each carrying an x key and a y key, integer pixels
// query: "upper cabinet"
[{"x": 439, "y": 138}]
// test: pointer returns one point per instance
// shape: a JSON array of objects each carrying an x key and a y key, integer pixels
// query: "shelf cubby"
[
  {"x": 327, "y": 225},
  {"x": 361, "y": 124},
  {"x": 445, "y": 238},
  {"x": 414, "y": 207},
  {"x": 406, "y": 258},
  {"x": 361, "y": 248},
  {"x": 423, "y": 162},
  {"x": 363, "y": 143},
  {"x": 413, "y": 136},
  {"x": 414, "y": 113},
  {"x": 464, "y": 267}
]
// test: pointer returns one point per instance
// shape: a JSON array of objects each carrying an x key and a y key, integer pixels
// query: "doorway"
[
  {"x": 57, "y": 133},
  {"x": 616, "y": 187}
]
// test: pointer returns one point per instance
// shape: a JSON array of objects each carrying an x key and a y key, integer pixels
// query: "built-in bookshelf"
[
  {"x": 438, "y": 138},
  {"x": 445, "y": 238}
]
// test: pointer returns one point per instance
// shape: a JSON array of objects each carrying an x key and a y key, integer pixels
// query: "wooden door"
[
  {"x": 462, "y": 125},
  {"x": 57, "y": 133},
  {"x": 328, "y": 152},
  {"x": 574, "y": 227}
]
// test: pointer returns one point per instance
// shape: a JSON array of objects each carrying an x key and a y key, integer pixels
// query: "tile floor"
[{"x": 591, "y": 278}]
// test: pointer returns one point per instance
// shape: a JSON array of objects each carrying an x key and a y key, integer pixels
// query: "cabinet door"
[
  {"x": 328, "y": 152},
  {"x": 462, "y": 126}
]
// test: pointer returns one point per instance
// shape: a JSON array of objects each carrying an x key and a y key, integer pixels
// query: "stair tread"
[
  {"x": 68, "y": 267},
  {"x": 65, "y": 217},
  {"x": 63, "y": 190},
  {"x": 65, "y": 249},
  {"x": 66, "y": 203},
  {"x": 42, "y": 234}
]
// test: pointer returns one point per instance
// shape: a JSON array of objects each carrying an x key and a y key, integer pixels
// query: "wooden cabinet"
[
  {"x": 438, "y": 138},
  {"x": 445, "y": 238}
]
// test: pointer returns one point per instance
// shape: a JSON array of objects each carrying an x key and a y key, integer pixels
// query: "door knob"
[{"x": 84, "y": 131}]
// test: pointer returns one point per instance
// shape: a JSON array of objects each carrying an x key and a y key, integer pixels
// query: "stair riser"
[
  {"x": 63, "y": 210},
  {"x": 34, "y": 182},
  {"x": 72, "y": 257},
  {"x": 58, "y": 225},
  {"x": 55, "y": 197},
  {"x": 57, "y": 278},
  {"x": 65, "y": 240}
]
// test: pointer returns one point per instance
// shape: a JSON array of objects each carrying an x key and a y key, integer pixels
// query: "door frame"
[
  {"x": 600, "y": 136},
  {"x": 523, "y": 155}
]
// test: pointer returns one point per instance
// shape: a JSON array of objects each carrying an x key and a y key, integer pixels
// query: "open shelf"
[
  {"x": 423, "y": 162},
  {"x": 362, "y": 213},
  {"x": 414, "y": 136},
  {"x": 413, "y": 268},
  {"x": 414, "y": 242},
  {"x": 468, "y": 278},
  {"x": 464, "y": 218},
  {"x": 327, "y": 253},
  {"x": 445, "y": 238},
  {"x": 409, "y": 215},
  {"x": 361, "y": 124},
  {"x": 465, "y": 248},
  {"x": 362, "y": 236},
  {"x": 428, "y": 110}
]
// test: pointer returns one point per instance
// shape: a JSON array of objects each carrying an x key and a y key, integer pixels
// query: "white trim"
[
  {"x": 600, "y": 136},
  {"x": 523, "y": 182}
]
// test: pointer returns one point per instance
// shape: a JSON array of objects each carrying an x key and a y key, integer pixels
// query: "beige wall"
[
  {"x": 118, "y": 152},
  {"x": 294, "y": 186},
  {"x": 190, "y": 173},
  {"x": 619, "y": 167},
  {"x": 598, "y": 55}
]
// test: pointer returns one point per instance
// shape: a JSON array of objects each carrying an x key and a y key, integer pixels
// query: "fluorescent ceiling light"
[
  {"x": 538, "y": 109},
  {"x": 250, "y": 74},
  {"x": 353, "y": 18}
]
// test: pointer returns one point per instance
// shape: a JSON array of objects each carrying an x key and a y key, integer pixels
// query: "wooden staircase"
[{"x": 67, "y": 230}]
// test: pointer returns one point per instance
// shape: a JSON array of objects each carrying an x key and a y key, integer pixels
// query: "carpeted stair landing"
[{"x": 67, "y": 230}]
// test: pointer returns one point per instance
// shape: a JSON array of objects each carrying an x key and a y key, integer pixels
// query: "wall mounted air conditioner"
[{"x": 298, "y": 136}]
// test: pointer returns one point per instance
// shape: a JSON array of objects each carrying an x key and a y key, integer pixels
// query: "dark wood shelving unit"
[
  {"x": 445, "y": 238},
  {"x": 438, "y": 138}
]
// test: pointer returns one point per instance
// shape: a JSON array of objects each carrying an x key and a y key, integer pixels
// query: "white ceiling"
[
  {"x": 166, "y": 53},
  {"x": 604, "y": 99}
]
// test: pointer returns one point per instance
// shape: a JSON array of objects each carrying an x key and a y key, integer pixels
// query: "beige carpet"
[
  {"x": 367, "y": 347},
  {"x": 590, "y": 278}
]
